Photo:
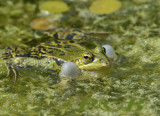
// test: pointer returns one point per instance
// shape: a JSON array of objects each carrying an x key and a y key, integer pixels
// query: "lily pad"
[
  {"x": 54, "y": 6},
  {"x": 105, "y": 6},
  {"x": 42, "y": 23}
]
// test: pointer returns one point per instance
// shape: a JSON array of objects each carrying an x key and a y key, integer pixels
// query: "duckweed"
[
  {"x": 54, "y": 6},
  {"x": 42, "y": 23},
  {"x": 130, "y": 88},
  {"x": 105, "y": 6}
]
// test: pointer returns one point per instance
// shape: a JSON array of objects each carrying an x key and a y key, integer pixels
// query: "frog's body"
[{"x": 51, "y": 56}]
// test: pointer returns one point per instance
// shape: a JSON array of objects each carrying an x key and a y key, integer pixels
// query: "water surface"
[{"x": 130, "y": 87}]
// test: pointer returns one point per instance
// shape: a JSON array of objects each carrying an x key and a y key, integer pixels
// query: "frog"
[{"x": 52, "y": 55}]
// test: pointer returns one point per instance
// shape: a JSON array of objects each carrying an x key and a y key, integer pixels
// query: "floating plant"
[
  {"x": 105, "y": 6},
  {"x": 42, "y": 23},
  {"x": 54, "y": 6}
]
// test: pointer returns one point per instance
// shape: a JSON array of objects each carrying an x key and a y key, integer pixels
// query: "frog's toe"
[
  {"x": 12, "y": 73},
  {"x": 15, "y": 76},
  {"x": 9, "y": 72}
]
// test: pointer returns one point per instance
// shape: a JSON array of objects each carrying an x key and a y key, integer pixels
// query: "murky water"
[{"x": 129, "y": 88}]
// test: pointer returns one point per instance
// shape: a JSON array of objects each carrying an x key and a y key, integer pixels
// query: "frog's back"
[
  {"x": 58, "y": 49},
  {"x": 66, "y": 34},
  {"x": 12, "y": 52}
]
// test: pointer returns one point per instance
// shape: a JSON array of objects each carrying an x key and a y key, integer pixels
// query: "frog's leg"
[
  {"x": 15, "y": 74},
  {"x": 11, "y": 72},
  {"x": 7, "y": 56}
]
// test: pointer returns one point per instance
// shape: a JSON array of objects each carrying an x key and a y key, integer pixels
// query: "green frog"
[{"x": 50, "y": 56}]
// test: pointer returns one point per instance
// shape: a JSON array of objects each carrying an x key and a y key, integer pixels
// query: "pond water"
[{"x": 130, "y": 88}]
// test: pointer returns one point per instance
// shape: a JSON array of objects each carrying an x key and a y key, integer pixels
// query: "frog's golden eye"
[{"x": 87, "y": 58}]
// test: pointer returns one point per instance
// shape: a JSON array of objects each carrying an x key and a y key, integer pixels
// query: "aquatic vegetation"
[
  {"x": 13, "y": 24},
  {"x": 130, "y": 88},
  {"x": 105, "y": 6},
  {"x": 42, "y": 23},
  {"x": 54, "y": 6}
]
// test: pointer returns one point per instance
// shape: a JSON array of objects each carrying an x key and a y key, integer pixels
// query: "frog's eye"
[{"x": 87, "y": 58}]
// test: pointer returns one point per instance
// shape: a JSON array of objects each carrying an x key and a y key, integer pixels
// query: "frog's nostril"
[{"x": 102, "y": 61}]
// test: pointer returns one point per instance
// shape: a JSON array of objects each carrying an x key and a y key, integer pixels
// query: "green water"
[{"x": 130, "y": 88}]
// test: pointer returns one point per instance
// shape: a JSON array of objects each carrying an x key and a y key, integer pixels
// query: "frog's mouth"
[{"x": 95, "y": 65}]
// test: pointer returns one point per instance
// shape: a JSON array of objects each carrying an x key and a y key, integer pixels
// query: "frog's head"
[{"x": 95, "y": 60}]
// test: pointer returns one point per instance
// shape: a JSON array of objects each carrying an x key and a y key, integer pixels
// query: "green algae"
[{"x": 130, "y": 88}]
